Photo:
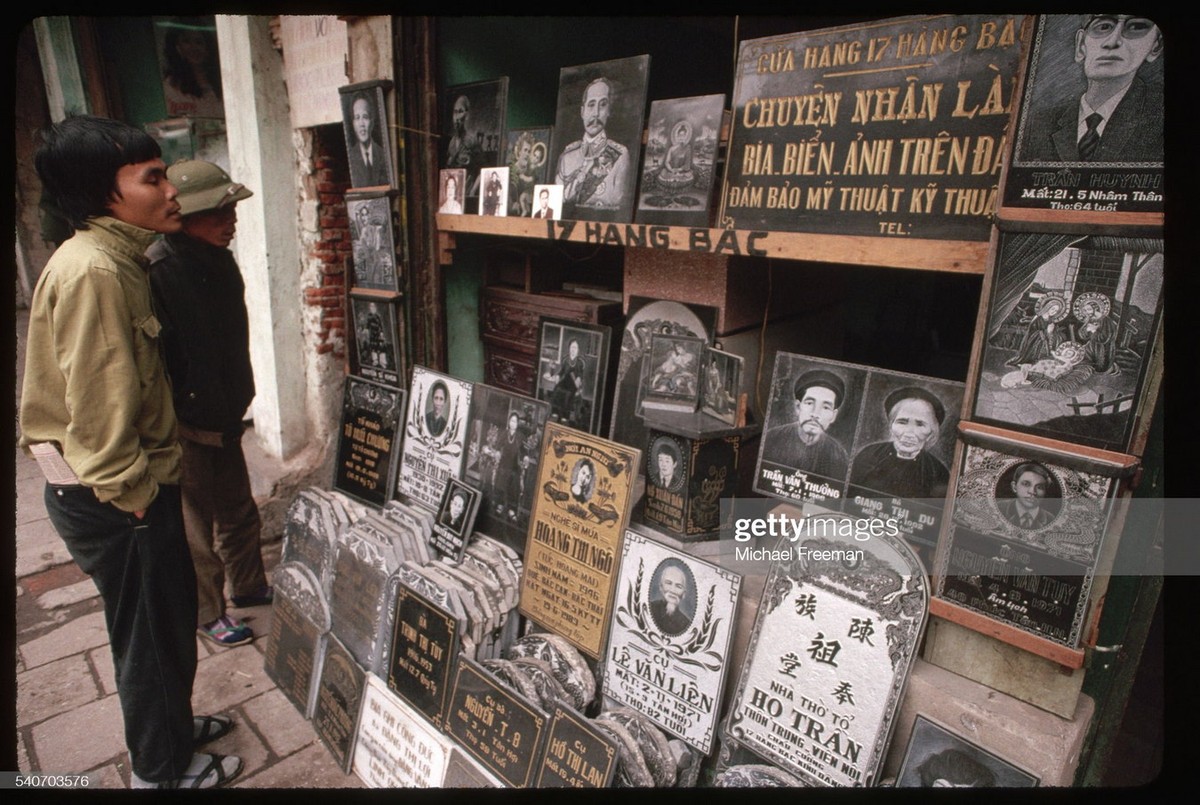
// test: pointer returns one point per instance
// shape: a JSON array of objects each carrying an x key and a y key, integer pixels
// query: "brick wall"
[{"x": 332, "y": 247}]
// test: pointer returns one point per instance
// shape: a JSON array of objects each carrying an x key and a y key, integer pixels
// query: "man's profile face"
[
  {"x": 459, "y": 115},
  {"x": 143, "y": 196},
  {"x": 214, "y": 227},
  {"x": 439, "y": 400},
  {"x": 816, "y": 410},
  {"x": 913, "y": 426},
  {"x": 672, "y": 584},
  {"x": 1114, "y": 46},
  {"x": 362, "y": 120},
  {"x": 595, "y": 108},
  {"x": 666, "y": 465},
  {"x": 1030, "y": 488}
]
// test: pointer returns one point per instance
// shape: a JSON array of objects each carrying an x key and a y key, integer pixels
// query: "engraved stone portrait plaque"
[
  {"x": 579, "y": 515},
  {"x": 577, "y": 755},
  {"x": 309, "y": 534},
  {"x": 339, "y": 694},
  {"x": 435, "y": 435},
  {"x": 501, "y": 729},
  {"x": 1025, "y": 541},
  {"x": 668, "y": 650},
  {"x": 397, "y": 748},
  {"x": 423, "y": 651},
  {"x": 835, "y": 637}
]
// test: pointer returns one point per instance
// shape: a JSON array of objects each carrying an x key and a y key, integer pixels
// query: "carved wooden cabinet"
[{"x": 509, "y": 325}]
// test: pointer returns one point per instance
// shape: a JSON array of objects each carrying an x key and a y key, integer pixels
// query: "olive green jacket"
[{"x": 94, "y": 379}]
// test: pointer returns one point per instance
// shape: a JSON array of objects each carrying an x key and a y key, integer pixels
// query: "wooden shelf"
[{"x": 923, "y": 254}]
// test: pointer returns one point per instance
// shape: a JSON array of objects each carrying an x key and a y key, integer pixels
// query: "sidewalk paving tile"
[
  {"x": 54, "y": 688},
  {"x": 71, "y": 594},
  {"x": 285, "y": 729},
  {"x": 72, "y": 637},
  {"x": 313, "y": 767},
  {"x": 79, "y": 739},
  {"x": 226, "y": 679}
]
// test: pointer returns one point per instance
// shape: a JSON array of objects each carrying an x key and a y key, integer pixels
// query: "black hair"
[
  {"x": 179, "y": 70},
  {"x": 78, "y": 159},
  {"x": 957, "y": 767}
]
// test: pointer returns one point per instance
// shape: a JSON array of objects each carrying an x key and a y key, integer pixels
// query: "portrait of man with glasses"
[{"x": 1113, "y": 114}]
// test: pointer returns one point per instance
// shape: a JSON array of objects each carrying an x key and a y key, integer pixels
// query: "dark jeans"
[{"x": 144, "y": 573}]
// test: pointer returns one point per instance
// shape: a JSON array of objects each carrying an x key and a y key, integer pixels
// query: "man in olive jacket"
[
  {"x": 96, "y": 395},
  {"x": 199, "y": 296}
]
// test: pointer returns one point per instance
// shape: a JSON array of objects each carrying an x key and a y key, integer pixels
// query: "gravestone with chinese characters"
[
  {"x": 836, "y": 634},
  {"x": 299, "y": 625}
]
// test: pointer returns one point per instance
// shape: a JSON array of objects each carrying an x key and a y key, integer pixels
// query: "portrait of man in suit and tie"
[
  {"x": 1034, "y": 494},
  {"x": 1097, "y": 93},
  {"x": 367, "y": 147}
]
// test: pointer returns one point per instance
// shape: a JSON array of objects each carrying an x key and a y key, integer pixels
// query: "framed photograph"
[
  {"x": 1073, "y": 324},
  {"x": 368, "y": 146},
  {"x": 598, "y": 137},
  {"x": 721, "y": 385},
  {"x": 473, "y": 118},
  {"x": 679, "y": 168},
  {"x": 572, "y": 371},
  {"x": 528, "y": 160},
  {"x": 367, "y": 454},
  {"x": 493, "y": 194},
  {"x": 376, "y": 338},
  {"x": 372, "y": 240},
  {"x": 1089, "y": 132},
  {"x": 503, "y": 449},
  {"x": 455, "y": 519},
  {"x": 547, "y": 202},
  {"x": 452, "y": 188},
  {"x": 936, "y": 757},
  {"x": 191, "y": 71},
  {"x": 671, "y": 373}
]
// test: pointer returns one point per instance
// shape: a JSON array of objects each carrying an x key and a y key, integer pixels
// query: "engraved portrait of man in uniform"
[{"x": 597, "y": 137}]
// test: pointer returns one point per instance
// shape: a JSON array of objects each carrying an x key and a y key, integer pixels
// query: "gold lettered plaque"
[{"x": 582, "y": 506}]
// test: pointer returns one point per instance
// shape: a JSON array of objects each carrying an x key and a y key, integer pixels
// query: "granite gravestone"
[
  {"x": 299, "y": 624},
  {"x": 339, "y": 694}
]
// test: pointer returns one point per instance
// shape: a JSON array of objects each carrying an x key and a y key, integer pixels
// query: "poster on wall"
[
  {"x": 473, "y": 125},
  {"x": 598, "y": 137},
  {"x": 435, "y": 435},
  {"x": 1089, "y": 132},
  {"x": 1073, "y": 324},
  {"x": 892, "y": 128},
  {"x": 680, "y": 167},
  {"x": 1026, "y": 538},
  {"x": 668, "y": 653},
  {"x": 584, "y": 492},
  {"x": 368, "y": 146},
  {"x": 190, "y": 66}
]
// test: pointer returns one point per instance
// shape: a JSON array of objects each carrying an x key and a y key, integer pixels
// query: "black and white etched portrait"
[
  {"x": 493, "y": 192},
  {"x": 680, "y": 160},
  {"x": 572, "y": 370},
  {"x": 368, "y": 147},
  {"x": 451, "y": 191},
  {"x": 808, "y": 438},
  {"x": 938, "y": 758},
  {"x": 1027, "y": 495},
  {"x": 909, "y": 462},
  {"x": 528, "y": 165},
  {"x": 435, "y": 409},
  {"x": 598, "y": 137},
  {"x": 666, "y": 467},
  {"x": 672, "y": 597},
  {"x": 473, "y": 128},
  {"x": 375, "y": 337},
  {"x": 371, "y": 241},
  {"x": 1095, "y": 92},
  {"x": 583, "y": 480}
]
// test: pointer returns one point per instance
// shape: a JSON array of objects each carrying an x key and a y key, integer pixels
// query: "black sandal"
[
  {"x": 209, "y": 728},
  {"x": 225, "y": 767}
]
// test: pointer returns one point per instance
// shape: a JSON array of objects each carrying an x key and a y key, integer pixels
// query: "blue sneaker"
[{"x": 227, "y": 631}]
